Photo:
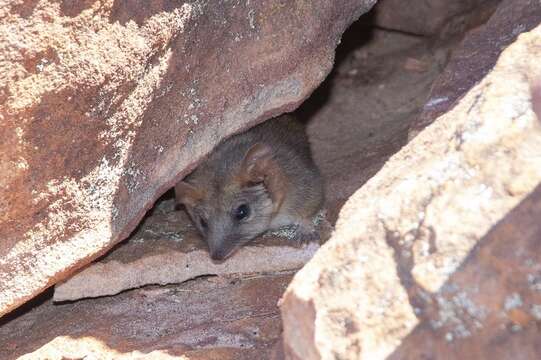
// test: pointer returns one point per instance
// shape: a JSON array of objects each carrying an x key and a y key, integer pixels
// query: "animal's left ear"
[
  {"x": 259, "y": 166},
  {"x": 187, "y": 194}
]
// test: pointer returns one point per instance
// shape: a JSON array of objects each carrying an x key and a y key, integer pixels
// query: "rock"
[
  {"x": 105, "y": 105},
  {"x": 476, "y": 56},
  {"x": 168, "y": 250},
  {"x": 403, "y": 236},
  {"x": 491, "y": 307},
  {"x": 359, "y": 117},
  {"x": 438, "y": 18},
  {"x": 205, "y": 319}
]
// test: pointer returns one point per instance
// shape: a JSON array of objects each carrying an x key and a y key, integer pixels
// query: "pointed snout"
[
  {"x": 219, "y": 253},
  {"x": 219, "y": 248}
]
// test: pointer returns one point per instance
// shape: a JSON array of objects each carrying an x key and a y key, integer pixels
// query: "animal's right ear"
[
  {"x": 259, "y": 165},
  {"x": 187, "y": 194}
]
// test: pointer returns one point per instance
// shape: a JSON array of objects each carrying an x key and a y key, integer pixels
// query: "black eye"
[
  {"x": 242, "y": 212},
  {"x": 203, "y": 223}
]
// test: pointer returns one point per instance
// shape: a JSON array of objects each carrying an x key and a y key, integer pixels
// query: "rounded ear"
[
  {"x": 259, "y": 166},
  {"x": 256, "y": 163},
  {"x": 187, "y": 194}
]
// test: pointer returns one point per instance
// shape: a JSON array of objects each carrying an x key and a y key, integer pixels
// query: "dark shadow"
[
  {"x": 369, "y": 123},
  {"x": 468, "y": 314},
  {"x": 358, "y": 34},
  {"x": 27, "y": 306}
]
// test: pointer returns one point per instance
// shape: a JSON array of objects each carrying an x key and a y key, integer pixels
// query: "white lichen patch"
[
  {"x": 175, "y": 236},
  {"x": 512, "y": 301},
  {"x": 22, "y": 164},
  {"x": 534, "y": 282},
  {"x": 292, "y": 231},
  {"x": 288, "y": 232},
  {"x": 41, "y": 64},
  {"x": 435, "y": 101},
  {"x": 449, "y": 337},
  {"x": 133, "y": 176},
  {"x": 251, "y": 18},
  {"x": 19, "y": 132},
  {"x": 459, "y": 314},
  {"x": 320, "y": 217},
  {"x": 536, "y": 312}
]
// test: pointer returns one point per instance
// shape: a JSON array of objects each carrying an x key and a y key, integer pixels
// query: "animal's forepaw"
[{"x": 306, "y": 234}]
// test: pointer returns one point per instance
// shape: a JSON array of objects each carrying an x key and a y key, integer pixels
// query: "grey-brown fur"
[{"x": 277, "y": 179}]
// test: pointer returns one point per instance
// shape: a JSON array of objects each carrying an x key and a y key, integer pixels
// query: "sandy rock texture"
[
  {"x": 357, "y": 119},
  {"x": 105, "y": 104},
  {"x": 206, "y": 319},
  {"x": 439, "y": 18},
  {"x": 418, "y": 251},
  {"x": 491, "y": 306},
  {"x": 168, "y": 250},
  {"x": 360, "y": 116},
  {"x": 476, "y": 56}
]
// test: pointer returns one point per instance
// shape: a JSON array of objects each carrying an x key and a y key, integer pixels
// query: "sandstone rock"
[
  {"x": 104, "y": 105},
  {"x": 401, "y": 237},
  {"x": 476, "y": 56},
  {"x": 439, "y": 18},
  {"x": 491, "y": 307},
  {"x": 205, "y": 319},
  {"x": 359, "y": 117},
  {"x": 352, "y": 134},
  {"x": 172, "y": 252}
]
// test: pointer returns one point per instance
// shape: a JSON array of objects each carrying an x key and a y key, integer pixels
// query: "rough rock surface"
[
  {"x": 206, "y": 319},
  {"x": 389, "y": 260},
  {"x": 357, "y": 119},
  {"x": 439, "y": 18},
  {"x": 105, "y": 104},
  {"x": 167, "y": 249},
  {"x": 491, "y": 307},
  {"x": 476, "y": 56}
]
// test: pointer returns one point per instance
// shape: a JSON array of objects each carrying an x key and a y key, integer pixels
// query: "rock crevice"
[{"x": 106, "y": 104}]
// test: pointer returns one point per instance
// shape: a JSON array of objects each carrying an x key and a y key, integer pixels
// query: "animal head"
[{"x": 231, "y": 211}]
